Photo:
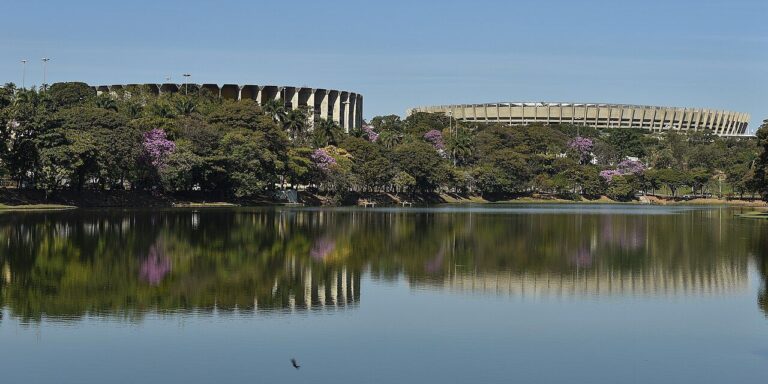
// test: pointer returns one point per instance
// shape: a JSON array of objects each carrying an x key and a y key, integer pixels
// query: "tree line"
[{"x": 68, "y": 138}]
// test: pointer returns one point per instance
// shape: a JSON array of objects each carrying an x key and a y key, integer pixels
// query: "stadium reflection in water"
[{"x": 72, "y": 264}]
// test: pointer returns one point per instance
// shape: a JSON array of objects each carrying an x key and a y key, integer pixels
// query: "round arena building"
[
  {"x": 598, "y": 115},
  {"x": 343, "y": 107}
]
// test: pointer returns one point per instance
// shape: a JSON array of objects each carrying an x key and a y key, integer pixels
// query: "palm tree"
[
  {"x": 390, "y": 139},
  {"x": 106, "y": 102},
  {"x": 461, "y": 146},
  {"x": 133, "y": 110},
  {"x": 184, "y": 106},
  {"x": 327, "y": 132},
  {"x": 162, "y": 110},
  {"x": 295, "y": 123},
  {"x": 275, "y": 109},
  {"x": 25, "y": 96}
]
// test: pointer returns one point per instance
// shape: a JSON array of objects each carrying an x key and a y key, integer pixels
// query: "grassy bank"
[
  {"x": 11, "y": 199},
  {"x": 33, "y": 207}
]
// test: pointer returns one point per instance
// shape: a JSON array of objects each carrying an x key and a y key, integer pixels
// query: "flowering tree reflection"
[
  {"x": 156, "y": 266},
  {"x": 581, "y": 258},
  {"x": 322, "y": 248}
]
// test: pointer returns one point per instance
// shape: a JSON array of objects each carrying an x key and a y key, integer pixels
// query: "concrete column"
[
  {"x": 336, "y": 107},
  {"x": 732, "y": 120},
  {"x": 697, "y": 125},
  {"x": 358, "y": 111},
  {"x": 718, "y": 122},
  {"x": 295, "y": 99},
  {"x": 311, "y": 110},
  {"x": 345, "y": 111},
  {"x": 323, "y": 94},
  {"x": 573, "y": 114},
  {"x": 653, "y": 119},
  {"x": 549, "y": 114},
  {"x": 351, "y": 114}
]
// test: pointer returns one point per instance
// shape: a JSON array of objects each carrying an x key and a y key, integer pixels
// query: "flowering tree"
[
  {"x": 583, "y": 147},
  {"x": 435, "y": 138},
  {"x": 609, "y": 174},
  {"x": 157, "y": 147},
  {"x": 322, "y": 159},
  {"x": 631, "y": 167},
  {"x": 370, "y": 133},
  {"x": 626, "y": 167}
]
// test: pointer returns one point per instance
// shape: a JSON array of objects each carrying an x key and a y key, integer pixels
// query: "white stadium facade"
[
  {"x": 343, "y": 107},
  {"x": 599, "y": 115}
]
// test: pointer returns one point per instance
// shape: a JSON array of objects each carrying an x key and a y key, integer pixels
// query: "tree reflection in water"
[
  {"x": 322, "y": 248},
  {"x": 125, "y": 264},
  {"x": 154, "y": 268}
]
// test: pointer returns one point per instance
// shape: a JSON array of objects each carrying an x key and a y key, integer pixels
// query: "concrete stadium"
[
  {"x": 598, "y": 115},
  {"x": 343, "y": 107}
]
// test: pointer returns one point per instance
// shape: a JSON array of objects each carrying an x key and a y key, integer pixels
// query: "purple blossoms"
[
  {"x": 583, "y": 146},
  {"x": 435, "y": 137},
  {"x": 370, "y": 133},
  {"x": 157, "y": 146},
  {"x": 322, "y": 159},
  {"x": 626, "y": 167}
]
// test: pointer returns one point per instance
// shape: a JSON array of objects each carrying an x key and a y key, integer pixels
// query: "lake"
[{"x": 451, "y": 294}]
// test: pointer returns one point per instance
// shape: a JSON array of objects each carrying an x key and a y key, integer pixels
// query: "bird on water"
[{"x": 295, "y": 364}]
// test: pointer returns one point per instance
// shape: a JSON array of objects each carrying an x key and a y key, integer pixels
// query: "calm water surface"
[{"x": 473, "y": 294}]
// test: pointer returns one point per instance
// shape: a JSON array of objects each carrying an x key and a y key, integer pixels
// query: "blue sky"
[{"x": 398, "y": 54}]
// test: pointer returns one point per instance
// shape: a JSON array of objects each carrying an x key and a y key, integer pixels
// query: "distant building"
[
  {"x": 343, "y": 107},
  {"x": 721, "y": 123}
]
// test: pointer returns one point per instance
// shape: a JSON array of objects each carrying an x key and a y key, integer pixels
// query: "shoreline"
[{"x": 13, "y": 200}]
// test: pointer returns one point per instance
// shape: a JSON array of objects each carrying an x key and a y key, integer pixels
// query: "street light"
[
  {"x": 45, "y": 71},
  {"x": 23, "y": 73},
  {"x": 186, "y": 83}
]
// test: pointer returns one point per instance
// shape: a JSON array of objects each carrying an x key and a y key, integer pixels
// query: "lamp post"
[
  {"x": 45, "y": 71},
  {"x": 23, "y": 73},
  {"x": 186, "y": 83}
]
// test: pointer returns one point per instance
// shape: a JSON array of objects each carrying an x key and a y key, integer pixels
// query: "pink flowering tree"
[
  {"x": 626, "y": 167},
  {"x": 435, "y": 138},
  {"x": 631, "y": 167},
  {"x": 609, "y": 174},
  {"x": 157, "y": 147},
  {"x": 369, "y": 133},
  {"x": 583, "y": 147},
  {"x": 322, "y": 159}
]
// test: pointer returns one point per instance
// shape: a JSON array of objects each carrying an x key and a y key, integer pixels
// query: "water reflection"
[
  {"x": 124, "y": 264},
  {"x": 154, "y": 268}
]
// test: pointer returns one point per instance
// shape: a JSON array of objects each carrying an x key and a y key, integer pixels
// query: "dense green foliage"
[{"x": 69, "y": 138}]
